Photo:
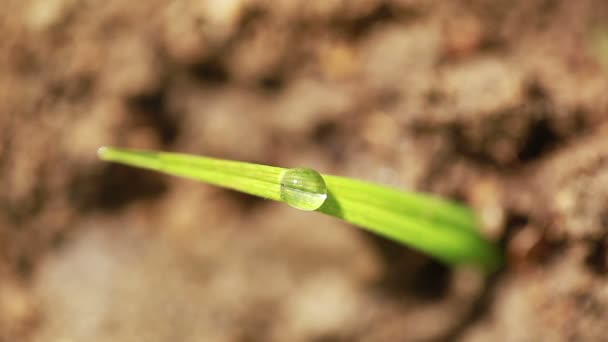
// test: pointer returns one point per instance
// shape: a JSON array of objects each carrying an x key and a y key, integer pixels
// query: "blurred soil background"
[{"x": 500, "y": 104}]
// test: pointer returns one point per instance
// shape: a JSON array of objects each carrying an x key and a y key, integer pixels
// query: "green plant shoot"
[{"x": 443, "y": 229}]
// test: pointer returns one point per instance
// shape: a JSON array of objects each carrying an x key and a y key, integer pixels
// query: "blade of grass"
[
  {"x": 438, "y": 227},
  {"x": 254, "y": 179}
]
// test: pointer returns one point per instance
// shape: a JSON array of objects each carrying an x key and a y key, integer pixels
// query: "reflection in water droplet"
[{"x": 303, "y": 188}]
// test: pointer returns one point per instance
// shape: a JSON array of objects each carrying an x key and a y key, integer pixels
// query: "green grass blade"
[
  {"x": 438, "y": 227},
  {"x": 254, "y": 179}
]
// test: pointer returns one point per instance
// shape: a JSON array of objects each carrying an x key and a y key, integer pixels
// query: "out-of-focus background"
[{"x": 500, "y": 104}]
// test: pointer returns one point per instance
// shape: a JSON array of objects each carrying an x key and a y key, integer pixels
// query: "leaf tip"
[{"x": 102, "y": 152}]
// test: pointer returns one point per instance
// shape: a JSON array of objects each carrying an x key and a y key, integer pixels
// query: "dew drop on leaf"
[{"x": 303, "y": 188}]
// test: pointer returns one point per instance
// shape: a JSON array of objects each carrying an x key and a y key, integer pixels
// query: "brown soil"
[{"x": 501, "y": 104}]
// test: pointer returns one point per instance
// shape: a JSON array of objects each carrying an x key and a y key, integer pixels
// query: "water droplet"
[{"x": 303, "y": 188}]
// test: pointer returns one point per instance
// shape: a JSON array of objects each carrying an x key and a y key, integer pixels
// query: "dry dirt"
[{"x": 500, "y": 104}]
